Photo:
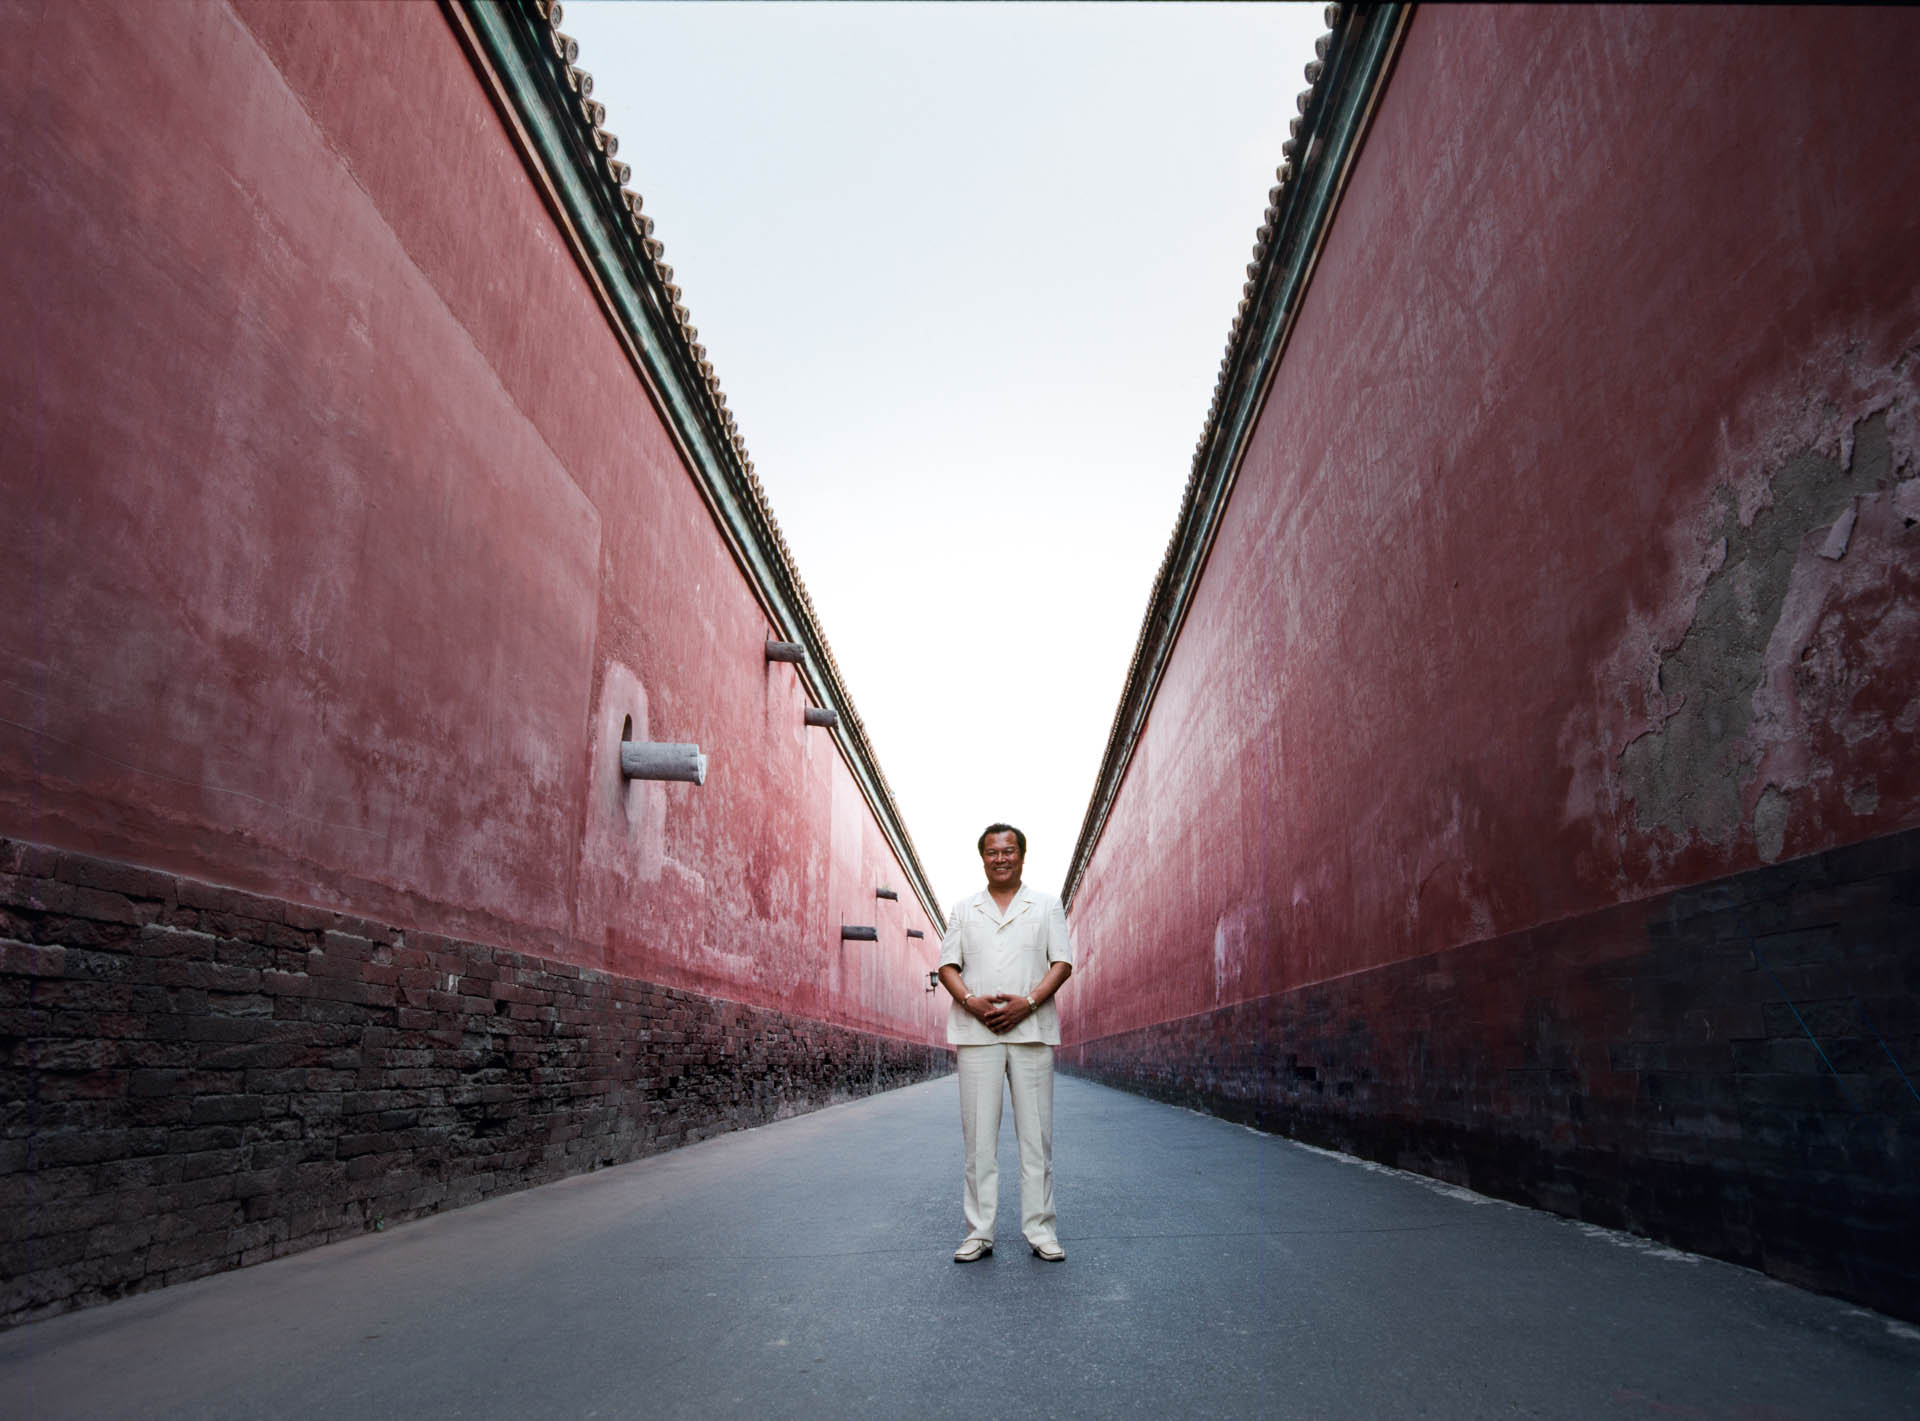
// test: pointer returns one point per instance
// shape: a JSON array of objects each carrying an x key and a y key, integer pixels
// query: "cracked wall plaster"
[{"x": 1690, "y": 773}]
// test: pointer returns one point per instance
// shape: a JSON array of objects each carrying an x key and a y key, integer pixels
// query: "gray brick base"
[
  {"x": 197, "y": 1079},
  {"x": 1730, "y": 1069}
]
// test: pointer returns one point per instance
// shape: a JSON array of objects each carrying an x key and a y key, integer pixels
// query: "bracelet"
[{"x": 1032, "y": 1005}]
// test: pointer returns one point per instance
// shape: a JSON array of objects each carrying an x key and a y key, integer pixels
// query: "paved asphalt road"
[{"x": 803, "y": 1270}]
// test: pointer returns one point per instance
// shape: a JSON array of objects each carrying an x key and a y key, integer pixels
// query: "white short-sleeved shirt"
[{"x": 1009, "y": 953}]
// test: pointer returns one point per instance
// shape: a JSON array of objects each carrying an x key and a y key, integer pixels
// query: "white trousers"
[{"x": 1026, "y": 1068}]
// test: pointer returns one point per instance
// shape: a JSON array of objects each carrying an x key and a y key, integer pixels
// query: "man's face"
[{"x": 1003, "y": 859}]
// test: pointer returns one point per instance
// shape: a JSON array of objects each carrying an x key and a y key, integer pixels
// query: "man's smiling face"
[{"x": 1003, "y": 860}]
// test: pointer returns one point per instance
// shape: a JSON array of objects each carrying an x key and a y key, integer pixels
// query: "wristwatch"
[{"x": 1032, "y": 1005}]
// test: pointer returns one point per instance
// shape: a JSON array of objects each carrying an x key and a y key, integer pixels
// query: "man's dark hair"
[{"x": 1018, "y": 837}]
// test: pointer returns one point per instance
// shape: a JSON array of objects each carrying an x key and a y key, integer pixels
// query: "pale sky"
[{"x": 966, "y": 273}]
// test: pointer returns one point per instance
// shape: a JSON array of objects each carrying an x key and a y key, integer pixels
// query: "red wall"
[
  {"x": 1601, "y": 276},
  {"x": 342, "y": 537}
]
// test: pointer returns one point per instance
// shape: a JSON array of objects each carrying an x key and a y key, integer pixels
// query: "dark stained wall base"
[
  {"x": 1730, "y": 1069},
  {"x": 196, "y": 1079}
]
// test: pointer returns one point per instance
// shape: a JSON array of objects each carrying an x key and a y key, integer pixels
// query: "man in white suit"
[{"x": 1005, "y": 954}]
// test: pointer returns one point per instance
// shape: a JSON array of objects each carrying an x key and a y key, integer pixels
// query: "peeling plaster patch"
[
  {"x": 1822, "y": 673},
  {"x": 1688, "y": 773},
  {"x": 1835, "y": 546},
  {"x": 1863, "y": 799},
  {"x": 1906, "y": 502},
  {"x": 1448, "y": 899},
  {"x": 1230, "y": 954},
  {"x": 1770, "y": 822}
]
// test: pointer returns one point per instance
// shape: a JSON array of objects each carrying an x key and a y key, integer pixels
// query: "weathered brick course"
[
  {"x": 1730, "y": 1069},
  {"x": 198, "y": 1078}
]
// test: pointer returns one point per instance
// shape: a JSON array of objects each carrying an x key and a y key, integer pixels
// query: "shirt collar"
[{"x": 1021, "y": 901}]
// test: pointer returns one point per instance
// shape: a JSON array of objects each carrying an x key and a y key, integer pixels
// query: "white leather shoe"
[
  {"x": 972, "y": 1251},
  {"x": 1051, "y": 1252}
]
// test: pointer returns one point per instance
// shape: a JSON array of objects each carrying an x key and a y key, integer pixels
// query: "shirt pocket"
[{"x": 1031, "y": 945}]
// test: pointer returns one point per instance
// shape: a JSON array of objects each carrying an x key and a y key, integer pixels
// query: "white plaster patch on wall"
[
  {"x": 622, "y": 847},
  {"x": 1770, "y": 815},
  {"x": 1230, "y": 954},
  {"x": 1834, "y": 546},
  {"x": 631, "y": 813},
  {"x": 1906, "y": 501}
]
